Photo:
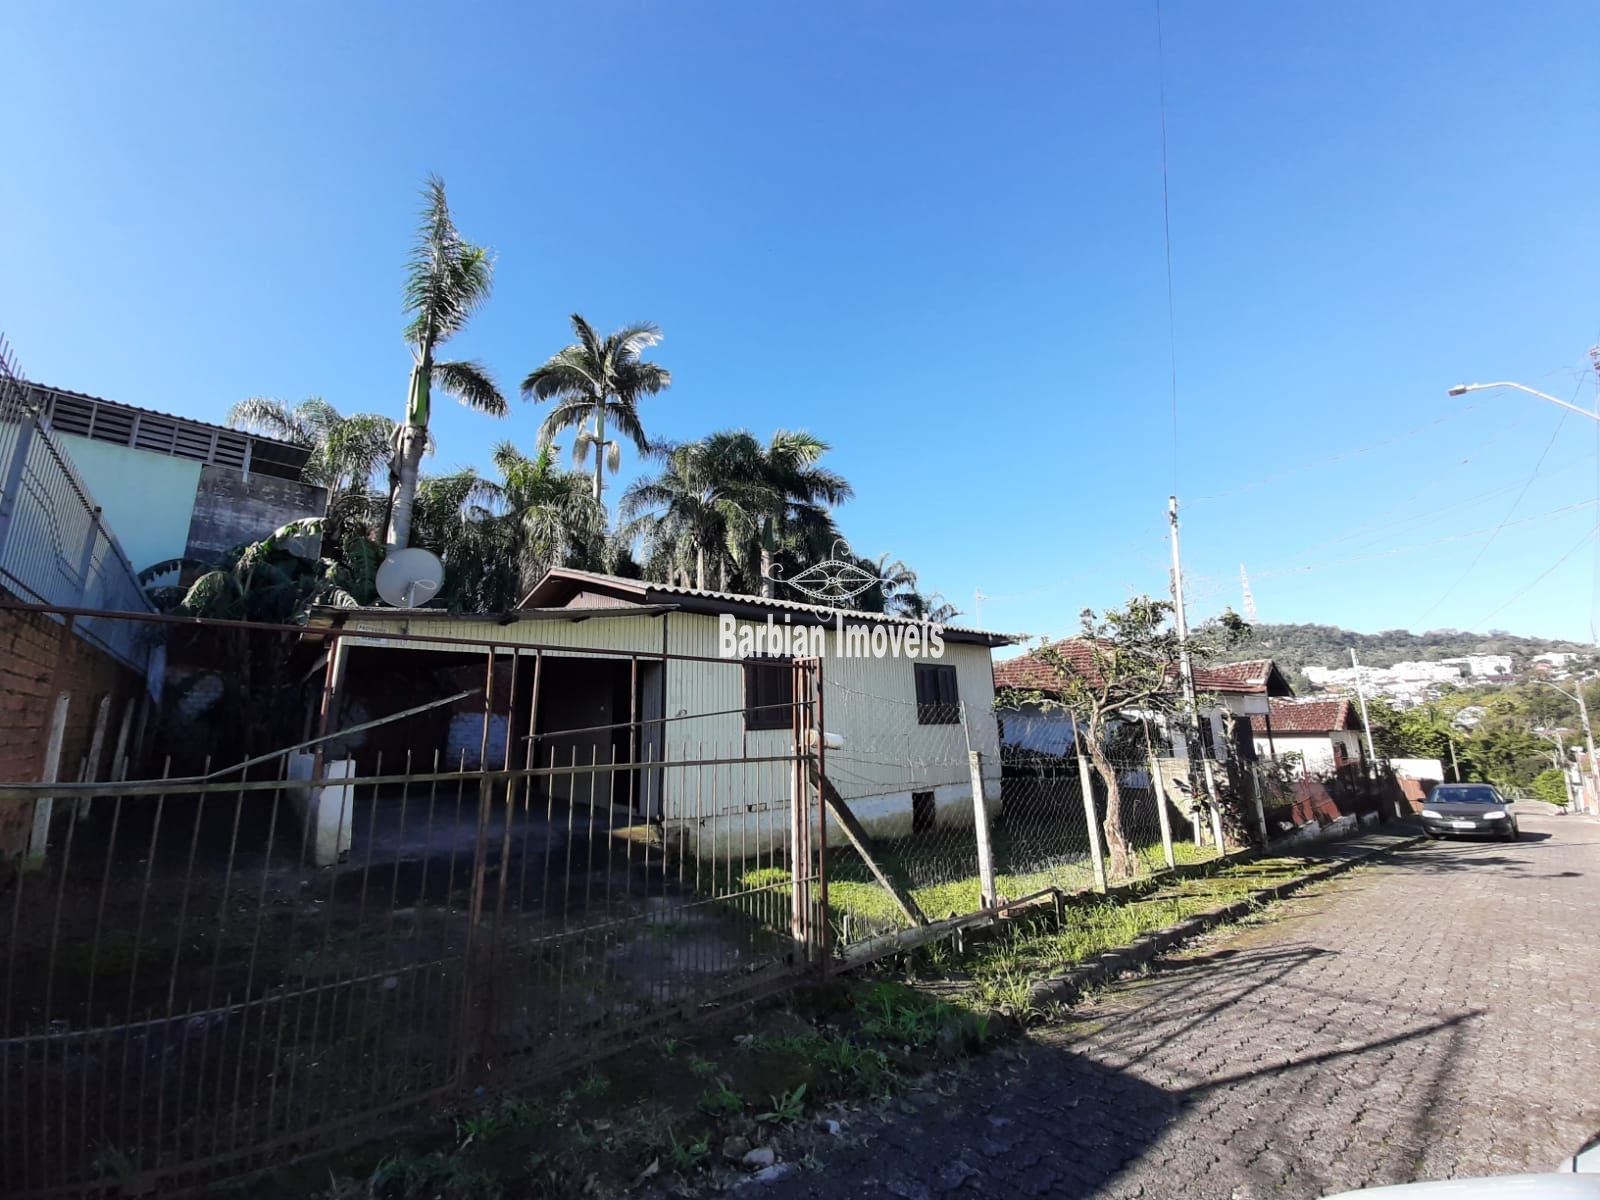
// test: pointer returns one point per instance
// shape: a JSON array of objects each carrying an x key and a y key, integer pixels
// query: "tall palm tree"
[
  {"x": 595, "y": 382},
  {"x": 346, "y": 452},
  {"x": 750, "y": 506},
  {"x": 447, "y": 279}
]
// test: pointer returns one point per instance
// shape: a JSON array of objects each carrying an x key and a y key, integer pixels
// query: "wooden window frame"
[
  {"x": 938, "y": 692},
  {"x": 762, "y": 711}
]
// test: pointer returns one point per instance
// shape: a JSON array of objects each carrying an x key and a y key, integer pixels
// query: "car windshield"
[{"x": 1465, "y": 795}]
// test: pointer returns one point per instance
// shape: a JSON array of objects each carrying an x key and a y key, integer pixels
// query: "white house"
[
  {"x": 619, "y": 683},
  {"x": 1325, "y": 733}
]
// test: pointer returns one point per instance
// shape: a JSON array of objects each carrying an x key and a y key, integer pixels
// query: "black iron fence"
[{"x": 348, "y": 874}]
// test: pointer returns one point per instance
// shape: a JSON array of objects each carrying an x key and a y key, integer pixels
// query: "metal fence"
[
  {"x": 54, "y": 548},
  {"x": 187, "y": 993},
  {"x": 268, "y": 945}
]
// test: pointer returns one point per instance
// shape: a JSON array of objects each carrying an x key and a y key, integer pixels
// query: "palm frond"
[
  {"x": 470, "y": 383},
  {"x": 262, "y": 414}
]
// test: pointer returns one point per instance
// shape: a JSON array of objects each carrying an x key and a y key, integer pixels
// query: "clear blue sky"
[{"x": 931, "y": 233}]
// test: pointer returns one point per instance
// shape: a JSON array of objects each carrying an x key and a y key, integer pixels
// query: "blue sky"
[{"x": 931, "y": 233}]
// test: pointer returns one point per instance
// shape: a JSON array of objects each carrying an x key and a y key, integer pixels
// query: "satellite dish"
[{"x": 411, "y": 577}]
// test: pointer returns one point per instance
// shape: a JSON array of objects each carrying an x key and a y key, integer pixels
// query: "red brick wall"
[{"x": 29, "y": 646}]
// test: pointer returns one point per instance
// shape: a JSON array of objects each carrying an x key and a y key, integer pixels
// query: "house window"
[
  {"x": 922, "y": 812},
  {"x": 769, "y": 694},
  {"x": 938, "y": 702}
]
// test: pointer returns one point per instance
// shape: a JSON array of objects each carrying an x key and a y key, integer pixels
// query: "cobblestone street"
[{"x": 1427, "y": 1016}]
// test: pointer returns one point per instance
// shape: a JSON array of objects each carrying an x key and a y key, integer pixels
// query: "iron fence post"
[
  {"x": 13, "y": 475},
  {"x": 1158, "y": 785},
  {"x": 980, "y": 825},
  {"x": 1090, "y": 814}
]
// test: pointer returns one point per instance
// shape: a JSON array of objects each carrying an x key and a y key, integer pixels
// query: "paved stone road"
[{"x": 1430, "y": 1016}]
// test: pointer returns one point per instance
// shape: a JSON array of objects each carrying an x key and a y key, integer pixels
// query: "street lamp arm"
[{"x": 1461, "y": 389}]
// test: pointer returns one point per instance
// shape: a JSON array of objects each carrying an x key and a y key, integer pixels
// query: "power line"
[
  {"x": 1484, "y": 549},
  {"x": 1371, "y": 531},
  {"x": 1453, "y": 537},
  {"x": 1342, "y": 456},
  {"x": 1593, "y": 529}
]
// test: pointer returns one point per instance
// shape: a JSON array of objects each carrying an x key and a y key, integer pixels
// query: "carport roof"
[{"x": 562, "y": 586}]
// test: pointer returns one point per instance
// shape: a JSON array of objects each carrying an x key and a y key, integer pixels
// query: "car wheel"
[
  {"x": 1432, "y": 834},
  {"x": 1515, "y": 833}
]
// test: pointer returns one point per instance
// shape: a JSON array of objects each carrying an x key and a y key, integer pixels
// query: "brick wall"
[{"x": 30, "y": 644}]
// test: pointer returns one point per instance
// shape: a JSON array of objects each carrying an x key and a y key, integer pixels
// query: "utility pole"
[
  {"x": 1588, "y": 738},
  {"x": 1186, "y": 672},
  {"x": 1450, "y": 740},
  {"x": 1361, "y": 697}
]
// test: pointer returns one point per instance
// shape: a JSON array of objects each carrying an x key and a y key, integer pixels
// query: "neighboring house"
[
  {"x": 1325, "y": 733},
  {"x": 173, "y": 487},
  {"x": 596, "y": 671},
  {"x": 1242, "y": 688}
]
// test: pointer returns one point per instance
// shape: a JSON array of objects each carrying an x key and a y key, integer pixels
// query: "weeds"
[
  {"x": 701, "y": 1068},
  {"x": 787, "y": 1108},
  {"x": 720, "y": 1101}
]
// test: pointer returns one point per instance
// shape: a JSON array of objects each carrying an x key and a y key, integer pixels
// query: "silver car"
[{"x": 1469, "y": 808}]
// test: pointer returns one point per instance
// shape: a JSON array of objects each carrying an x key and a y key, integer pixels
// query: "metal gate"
[{"x": 186, "y": 993}]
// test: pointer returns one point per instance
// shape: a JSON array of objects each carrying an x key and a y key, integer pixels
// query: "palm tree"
[
  {"x": 345, "y": 451},
  {"x": 497, "y": 537},
  {"x": 753, "y": 506},
  {"x": 919, "y": 607},
  {"x": 594, "y": 382},
  {"x": 680, "y": 517},
  {"x": 447, "y": 279}
]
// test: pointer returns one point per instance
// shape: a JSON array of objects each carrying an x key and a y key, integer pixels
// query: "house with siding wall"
[
  {"x": 614, "y": 681},
  {"x": 1325, "y": 733}
]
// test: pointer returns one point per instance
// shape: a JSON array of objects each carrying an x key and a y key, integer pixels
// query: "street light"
[
  {"x": 1461, "y": 389},
  {"x": 1583, "y": 715}
]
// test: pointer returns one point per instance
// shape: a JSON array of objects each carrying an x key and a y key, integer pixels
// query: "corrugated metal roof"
[
  {"x": 644, "y": 588},
  {"x": 146, "y": 429}
]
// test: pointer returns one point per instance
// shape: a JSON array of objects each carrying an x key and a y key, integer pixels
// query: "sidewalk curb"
[{"x": 1064, "y": 989}]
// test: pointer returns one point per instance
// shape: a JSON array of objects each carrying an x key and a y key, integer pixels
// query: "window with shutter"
[
  {"x": 938, "y": 700},
  {"x": 769, "y": 694}
]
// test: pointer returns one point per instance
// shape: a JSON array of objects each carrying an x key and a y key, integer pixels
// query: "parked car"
[{"x": 1469, "y": 808}]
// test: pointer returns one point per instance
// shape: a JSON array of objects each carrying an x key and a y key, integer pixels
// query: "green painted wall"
[{"x": 146, "y": 499}]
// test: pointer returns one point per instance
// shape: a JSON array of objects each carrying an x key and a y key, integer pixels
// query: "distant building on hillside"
[{"x": 1481, "y": 665}]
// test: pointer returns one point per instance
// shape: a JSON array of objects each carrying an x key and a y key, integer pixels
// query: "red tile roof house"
[
  {"x": 1325, "y": 733},
  {"x": 1243, "y": 689}
]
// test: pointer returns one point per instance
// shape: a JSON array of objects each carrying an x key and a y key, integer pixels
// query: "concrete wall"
[
  {"x": 147, "y": 498},
  {"x": 230, "y": 509},
  {"x": 30, "y": 645}
]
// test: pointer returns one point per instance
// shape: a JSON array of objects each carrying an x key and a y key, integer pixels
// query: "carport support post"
[
  {"x": 1160, "y": 789},
  {"x": 97, "y": 742},
  {"x": 38, "y": 841},
  {"x": 1086, "y": 785},
  {"x": 980, "y": 826}
]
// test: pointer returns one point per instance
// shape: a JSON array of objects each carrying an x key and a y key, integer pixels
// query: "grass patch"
[{"x": 999, "y": 975}]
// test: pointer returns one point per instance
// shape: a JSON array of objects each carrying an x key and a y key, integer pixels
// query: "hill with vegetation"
[{"x": 1296, "y": 647}]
